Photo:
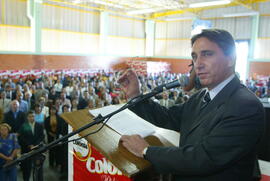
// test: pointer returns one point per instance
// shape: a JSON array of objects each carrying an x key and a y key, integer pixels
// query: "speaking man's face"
[{"x": 211, "y": 65}]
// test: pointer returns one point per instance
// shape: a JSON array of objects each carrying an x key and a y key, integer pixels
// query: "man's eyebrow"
[{"x": 206, "y": 51}]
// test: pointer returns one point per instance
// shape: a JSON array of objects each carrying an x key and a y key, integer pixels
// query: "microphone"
[
  {"x": 182, "y": 81},
  {"x": 170, "y": 85}
]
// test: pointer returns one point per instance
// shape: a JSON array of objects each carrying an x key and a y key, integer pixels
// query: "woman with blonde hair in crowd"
[{"x": 8, "y": 151}]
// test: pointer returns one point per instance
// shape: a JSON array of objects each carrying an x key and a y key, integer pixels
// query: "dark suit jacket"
[
  {"x": 27, "y": 138},
  {"x": 15, "y": 123},
  {"x": 217, "y": 144},
  {"x": 82, "y": 103}
]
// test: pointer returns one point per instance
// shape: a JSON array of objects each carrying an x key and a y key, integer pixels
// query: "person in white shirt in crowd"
[
  {"x": 83, "y": 87},
  {"x": 18, "y": 88},
  {"x": 44, "y": 108},
  {"x": 30, "y": 101},
  {"x": 165, "y": 101},
  {"x": 69, "y": 89},
  {"x": 64, "y": 99},
  {"x": 8, "y": 91},
  {"x": 23, "y": 104},
  {"x": 25, "y": 88},
  {"x": 58, "y": 86},
  {"x": 75, "y": 93},
  {"x": 92, "y": 93},
  {"x": 4, "y": 102},
  {"x": 91, "y": 104}
]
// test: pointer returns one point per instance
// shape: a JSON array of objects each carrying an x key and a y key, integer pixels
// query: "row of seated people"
[{"x": 77, "y": 92}]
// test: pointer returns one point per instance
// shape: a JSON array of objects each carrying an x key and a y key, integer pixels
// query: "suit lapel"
[{"x": 216, "y": 103}]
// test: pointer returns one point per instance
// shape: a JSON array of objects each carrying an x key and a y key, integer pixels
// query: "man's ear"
[{"x": 232, "y": 60}]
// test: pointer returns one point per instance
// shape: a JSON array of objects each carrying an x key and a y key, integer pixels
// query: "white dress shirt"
[{"x": 219, "y": 87}]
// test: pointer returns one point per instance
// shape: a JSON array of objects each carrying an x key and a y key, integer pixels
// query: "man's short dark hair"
[
  {"x": 221, "y": 37},
  {"x": 30, "y": 112},
  {"x": 65, "y": 106}
]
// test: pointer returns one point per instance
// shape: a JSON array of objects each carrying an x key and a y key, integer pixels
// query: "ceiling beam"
[
  {"x": 246, "y": 3},
  {"x": 86, "y": 7}
]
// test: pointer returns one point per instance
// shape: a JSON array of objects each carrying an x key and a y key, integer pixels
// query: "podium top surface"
[{"x": 106, "y": 141}]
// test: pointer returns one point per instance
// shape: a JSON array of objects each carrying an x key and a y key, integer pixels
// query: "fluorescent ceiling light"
[
  {"x": 100, "y": 2},
  {"x": 179, "y": 18},
  {"x": 143, "y": 11},
  {"x": 76, "y": 2},
  {"x": 107, "y": 4},
  {"x": 209, "y": 3},
  {"x": 240, "y": 14}
]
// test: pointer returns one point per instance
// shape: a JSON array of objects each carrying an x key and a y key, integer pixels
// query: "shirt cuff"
[{"x": 144, "y": 152}]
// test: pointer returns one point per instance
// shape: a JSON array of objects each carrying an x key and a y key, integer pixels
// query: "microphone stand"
[{"x": 97, "y": 120}]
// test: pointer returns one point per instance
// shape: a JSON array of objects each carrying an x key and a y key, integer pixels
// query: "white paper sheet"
[{"x": 125, "y": 122}]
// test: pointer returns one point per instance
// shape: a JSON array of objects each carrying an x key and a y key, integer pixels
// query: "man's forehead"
[
  {"x": 204, "y": 45},
  {"x": 204, "y": 40}
]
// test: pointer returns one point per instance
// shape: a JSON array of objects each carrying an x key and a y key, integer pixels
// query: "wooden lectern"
[{"x": 106, "y": 141}]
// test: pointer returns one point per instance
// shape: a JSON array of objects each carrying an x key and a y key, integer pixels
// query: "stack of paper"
[{"x": 125, "y": 122}]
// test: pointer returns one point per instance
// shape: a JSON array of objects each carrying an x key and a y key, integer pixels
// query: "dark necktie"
[{"x": 206, "y": 100}]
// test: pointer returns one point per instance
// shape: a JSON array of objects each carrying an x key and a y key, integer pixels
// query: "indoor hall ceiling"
[{"x": 163, "y": 9}]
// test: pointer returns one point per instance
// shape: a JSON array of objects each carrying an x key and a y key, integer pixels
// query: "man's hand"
[
  {"x": 9, "y": 159},
  {"x": 130, "y": 83},
  {"x": 135, "y": 144}
]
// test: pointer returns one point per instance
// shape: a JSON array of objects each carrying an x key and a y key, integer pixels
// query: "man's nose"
[{"x": 199, "y": 63}]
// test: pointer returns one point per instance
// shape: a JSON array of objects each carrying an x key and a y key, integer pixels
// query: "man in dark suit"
[
  {"x": 31, "y": 134},
  {"x": 220, "y": 125},
  {"x": 15, "y": 118}
]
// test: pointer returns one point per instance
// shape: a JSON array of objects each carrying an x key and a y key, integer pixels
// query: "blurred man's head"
[
  {"x": 14, "y": 106},
  {"x": 38, "y": 109},
  {"x": 165, "y": 95},
  {"x": 27, "y": 95},
  {"x": 3, "y": 95},
  {"x": 19, "y": 96},
  {"x": 65, "y": 108},
  {"x": 4, "y": 129},
  {"x": 31, "y": 116}
]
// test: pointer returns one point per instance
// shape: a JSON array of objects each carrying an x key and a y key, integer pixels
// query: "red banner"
[{"x": 89, "y": 164}]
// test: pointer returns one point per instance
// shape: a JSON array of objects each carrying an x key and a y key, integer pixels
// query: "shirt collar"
[
  {"x": 16, "y": 112},
  {"x": 31, "y": 124},
  {"x": 219, "y": 87}
]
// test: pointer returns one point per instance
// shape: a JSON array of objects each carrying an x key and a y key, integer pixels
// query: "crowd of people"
[
  {"x": 260, "y": 87},
  {"x": 31, "y": 109}
]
